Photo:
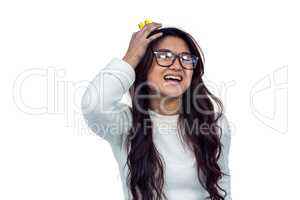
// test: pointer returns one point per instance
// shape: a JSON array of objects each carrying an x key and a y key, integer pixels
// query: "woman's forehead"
[{"x": 172, "y": 43}]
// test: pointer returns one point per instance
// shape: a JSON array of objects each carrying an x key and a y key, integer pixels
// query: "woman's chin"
[{"x": 171, "y": 94}]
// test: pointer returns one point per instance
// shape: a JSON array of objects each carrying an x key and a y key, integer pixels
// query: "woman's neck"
[{"x": 166, "y": 105}]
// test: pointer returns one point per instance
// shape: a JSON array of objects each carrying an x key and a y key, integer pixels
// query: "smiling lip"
[
  {"x": 178, "y": 75},
  {"x": 171, "y": 82}
]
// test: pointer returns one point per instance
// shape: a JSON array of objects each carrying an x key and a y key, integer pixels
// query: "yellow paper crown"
[{"x": 142, "y": 24}]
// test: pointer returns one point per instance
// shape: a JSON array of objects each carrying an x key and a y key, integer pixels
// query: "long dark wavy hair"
[{"x": 146, "y": 172}]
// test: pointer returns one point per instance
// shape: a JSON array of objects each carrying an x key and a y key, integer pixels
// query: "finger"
[
  {"x": 149, "y": 27},
  {"x": 153, "y": 37},
  {"x": 148, "y": 32}
]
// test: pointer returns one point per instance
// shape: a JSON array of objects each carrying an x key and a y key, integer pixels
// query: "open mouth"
[{"x": 174, "y": 79}]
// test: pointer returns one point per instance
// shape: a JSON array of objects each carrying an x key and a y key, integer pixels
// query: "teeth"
[{"x": 179, "y": 78}]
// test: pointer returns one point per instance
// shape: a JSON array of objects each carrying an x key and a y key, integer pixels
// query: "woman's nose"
[{"x": 176, "y": 65}]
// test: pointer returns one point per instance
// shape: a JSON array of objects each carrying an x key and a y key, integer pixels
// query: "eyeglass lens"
[{"x": 166, "y": 58}]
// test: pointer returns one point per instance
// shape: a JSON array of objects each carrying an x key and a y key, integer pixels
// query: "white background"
[{"x": 49, "y": 50}]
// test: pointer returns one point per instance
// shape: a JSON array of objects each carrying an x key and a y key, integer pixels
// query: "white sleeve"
[
  {"x": 225, "y": 182},
  {"x": 101, "y": 107}
]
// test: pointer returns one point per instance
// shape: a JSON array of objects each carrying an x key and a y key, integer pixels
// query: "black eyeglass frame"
[{"x": 175, "y": 56}]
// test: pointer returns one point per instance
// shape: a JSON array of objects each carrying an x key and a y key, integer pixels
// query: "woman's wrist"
[{"x": 130, "y": 60}]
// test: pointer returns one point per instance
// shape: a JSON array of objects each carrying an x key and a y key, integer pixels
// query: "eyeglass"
[{"x": 166, "y": 58}]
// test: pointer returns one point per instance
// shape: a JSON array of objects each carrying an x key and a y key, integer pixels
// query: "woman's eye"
[
  {"x": 186, "y": 59},
  {"x": 165, "y": 55},
  {"x": 161, "y": 56}
]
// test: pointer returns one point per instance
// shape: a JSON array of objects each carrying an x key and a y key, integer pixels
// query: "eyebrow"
[{"x": 172, "y": 51}]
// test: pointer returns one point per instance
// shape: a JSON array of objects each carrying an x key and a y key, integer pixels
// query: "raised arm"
[{"x": 101, "y": 107}]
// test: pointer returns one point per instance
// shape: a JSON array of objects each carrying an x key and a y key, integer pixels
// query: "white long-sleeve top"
[{"x": 105, "y": 115}]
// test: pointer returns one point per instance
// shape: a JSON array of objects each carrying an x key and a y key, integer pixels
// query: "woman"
[{"x": 171, "y": 143}]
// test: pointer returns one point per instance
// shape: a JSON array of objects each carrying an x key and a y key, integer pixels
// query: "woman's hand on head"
[{"x": 139, "y": 43}]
